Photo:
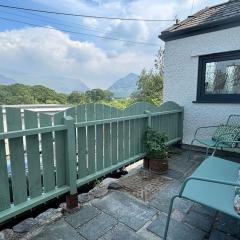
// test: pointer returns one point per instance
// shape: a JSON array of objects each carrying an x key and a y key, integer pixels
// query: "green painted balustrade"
[{"x": 44, "y": 156}]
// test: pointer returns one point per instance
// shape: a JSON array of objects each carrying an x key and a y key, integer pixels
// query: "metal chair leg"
[
  {"x": 207, "y": 152},
  {"x": 169, "y": 217},
  {"x": 214, "y": 151},
  {"x": 190, "y": 150}
]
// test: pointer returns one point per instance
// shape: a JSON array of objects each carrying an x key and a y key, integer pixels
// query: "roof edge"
[{"x": 201, "y": 29}]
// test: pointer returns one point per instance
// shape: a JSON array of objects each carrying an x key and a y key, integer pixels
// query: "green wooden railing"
[{"x": 43, "y": 156}]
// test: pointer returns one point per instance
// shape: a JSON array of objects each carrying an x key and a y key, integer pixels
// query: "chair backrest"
[{"x": 234, "y": 120}]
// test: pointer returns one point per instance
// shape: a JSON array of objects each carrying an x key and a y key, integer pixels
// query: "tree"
[
  {"x": 24, "y": 94},
  {"x": 76, "y": 98},
  {"x": 97, "y": 95},
  {"x": 43, "y": 94},
  {"x": 150, "y": 83},
  {"x": 120, "y": 103},
  {"x": 5, "y": 95},
  {"x": 159, "y": 61},
  {"x": 20, "y": 94},
  {"x": 61, "y": 98}
]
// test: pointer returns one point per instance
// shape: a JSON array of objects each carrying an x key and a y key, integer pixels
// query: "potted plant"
[{"x": 156, "y": 159}]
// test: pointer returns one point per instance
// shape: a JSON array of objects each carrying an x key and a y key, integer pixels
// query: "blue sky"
[{"x": 34, "y": 55}]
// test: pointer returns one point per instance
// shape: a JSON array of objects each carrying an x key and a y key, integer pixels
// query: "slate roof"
[{"x": 213, "y": 18}]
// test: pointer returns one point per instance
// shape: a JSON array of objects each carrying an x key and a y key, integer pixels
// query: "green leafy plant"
[{"x": 155, "y": 143}]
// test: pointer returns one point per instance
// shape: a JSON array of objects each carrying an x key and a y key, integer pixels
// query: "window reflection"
[{"x": 223, "y": 77}]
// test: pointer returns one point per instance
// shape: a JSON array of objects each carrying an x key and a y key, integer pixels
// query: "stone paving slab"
[
  {"x": 199, "y": 220},
  {"x": 58, "y": 231},
  {"x": 228, "y": 224},
  {"x": 204, "y": 210},
  {"x": 126, "y": 209},
  {"x": 147, "y": 235},
  {"x": 161, "y": 200},
  {"x": 84, "y": 215},
  {"x": 181, "y": 164},
  {"x": 25, "y": 225},
  {"x": 173, "y": 174},
  {"x": 121, "y": 232},
  {"x": 217, "y": 235},
  {"x": 169, "y": 190},
  {"x": 97, "y": 227},
  {"x": 163, "y": 204},
  {"x": 177, "y": 230}
]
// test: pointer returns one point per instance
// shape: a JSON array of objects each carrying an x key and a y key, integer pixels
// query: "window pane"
[{"x": 223, "y": 77}]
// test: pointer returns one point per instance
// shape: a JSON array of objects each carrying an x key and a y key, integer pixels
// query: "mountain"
[
  {"x": 74, "y": 86},
  {"x": 82, "y": 87},
  {"x": 6, "y": 81},
  {"x": 66, "y": 84},
  {"x": 123, "y": 87}
]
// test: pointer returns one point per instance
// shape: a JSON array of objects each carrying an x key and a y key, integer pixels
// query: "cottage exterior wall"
[{"x": 181, "y": 73}]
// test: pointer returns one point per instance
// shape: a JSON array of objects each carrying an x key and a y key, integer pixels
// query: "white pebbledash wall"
[{"x": 181, "y": 73}]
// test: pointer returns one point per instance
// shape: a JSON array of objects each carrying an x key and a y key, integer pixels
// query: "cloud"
[
  {"x": 135, "y": 31},
  {"x": 55, "y": 59},
  {"x": 154, "y": 9},
  {"x": 52, "y": 58},
  {"x": 90, "y": 22}
]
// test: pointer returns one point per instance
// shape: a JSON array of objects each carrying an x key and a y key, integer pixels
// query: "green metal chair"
[
  {"x": 233, "y": 120},
  {"x": 212, "y": 184}
]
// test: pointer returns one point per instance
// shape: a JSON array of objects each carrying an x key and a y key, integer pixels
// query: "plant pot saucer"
[{"x": 158, "y": 172}]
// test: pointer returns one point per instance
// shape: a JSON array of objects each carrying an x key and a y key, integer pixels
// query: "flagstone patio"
[{"x": 119, "y": 215}]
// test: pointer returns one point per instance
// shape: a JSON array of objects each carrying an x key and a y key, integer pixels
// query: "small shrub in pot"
[{"x": 157, "y": 155}]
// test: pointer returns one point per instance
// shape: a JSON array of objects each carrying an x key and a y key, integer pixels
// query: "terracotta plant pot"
[{"x": 158, "y": 165}]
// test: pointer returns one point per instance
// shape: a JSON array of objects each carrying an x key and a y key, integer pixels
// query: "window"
[{"x": 219, "y": 78}]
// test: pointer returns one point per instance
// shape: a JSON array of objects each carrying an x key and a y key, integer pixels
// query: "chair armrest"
[
  {"x": 235, "y": 184},
  {"x": 200, "y": 128}
]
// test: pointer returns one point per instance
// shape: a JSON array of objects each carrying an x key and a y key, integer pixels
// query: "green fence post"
[
  {"x": 149, "y": 122},
  {"x": 71, "y": 168}
]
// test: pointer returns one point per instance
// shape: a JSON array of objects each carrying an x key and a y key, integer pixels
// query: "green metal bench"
[
  {"x": 212, "y": 184},
  {"x": 233, "y": 119}
]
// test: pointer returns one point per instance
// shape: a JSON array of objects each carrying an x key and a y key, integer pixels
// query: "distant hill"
[
  {"x": 6, "y": 81},
  {"x": 67, "y": 84},
  {"x": 123, "y": 87},
  {"x": 74, "y": 86},
  {"x": 83, "y": 87}
]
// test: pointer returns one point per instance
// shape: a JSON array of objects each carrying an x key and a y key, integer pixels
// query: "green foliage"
[
  {"x": 150, "y": 87},
  {"x": 42, "y": 94},
  {"x": 76, "y": 98},
  {"x": 61, "y": 98},
  {"x": 15, "y": 94},
  {"x": 97, "y": 95},
  {"x": 158, "y": 62},
  {"x": 97, "y": 183},
  {"x": 119, "y": 103},
  {"x": 150, "y": 83},
  {"x": 155, "y": 143},
  {"x": 24, "y": 94}
]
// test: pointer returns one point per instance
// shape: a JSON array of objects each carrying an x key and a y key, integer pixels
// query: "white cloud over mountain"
[{"x": 39, "y": 56}]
